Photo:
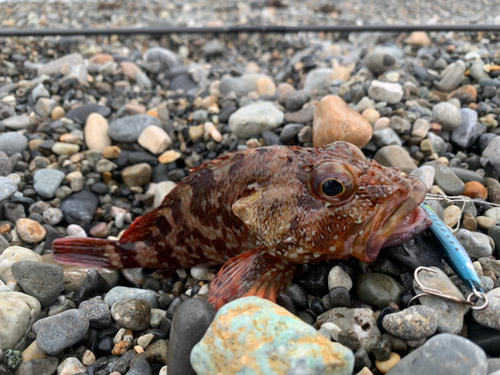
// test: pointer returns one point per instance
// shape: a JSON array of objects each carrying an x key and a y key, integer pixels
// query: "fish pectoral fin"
[{"x": 253, "y": 273}]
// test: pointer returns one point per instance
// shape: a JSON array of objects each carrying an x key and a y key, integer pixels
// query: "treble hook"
[{"x": 437, "y": 293}]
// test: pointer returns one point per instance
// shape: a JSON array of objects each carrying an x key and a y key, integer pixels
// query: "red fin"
[
  {"x": 140, "y": 229},
  {"x": 253, "y": 273},
  {"x": 92, "y": 252}
]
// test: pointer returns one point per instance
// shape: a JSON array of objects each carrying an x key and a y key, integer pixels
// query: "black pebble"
[
  {"x": 298, "y": 295},
  {"x": 284, "y": 300},
  {"x": 317, "y": 306},
  {"x": 339, "y": 297},
  {"x": 386, "y": 311},
  {"x": 105, "y": 346}
]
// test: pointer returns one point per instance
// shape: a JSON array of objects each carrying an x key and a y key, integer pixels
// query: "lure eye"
[
  {"x": 332, "y": 187},
  {"x": 332, "y": 182}
]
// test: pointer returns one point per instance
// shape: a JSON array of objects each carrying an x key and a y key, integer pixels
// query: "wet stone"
[
  {"x": 378, "y": 289},
  {"x": 297, "y": 294}
]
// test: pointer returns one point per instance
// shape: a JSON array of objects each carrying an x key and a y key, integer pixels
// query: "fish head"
[{"x": 339, "y": 205}]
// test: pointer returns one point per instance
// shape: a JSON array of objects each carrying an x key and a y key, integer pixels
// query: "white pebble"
[
  {"x": 145, "y": 340},
  {"x": 70, "y": 366},
  {"x": 337, "y": 277},
  {"x": 88, "y": 358},
  {"x": 204, "y": 290},
  {"x": 333, "y": 329},
  {"x": 163, "y": 371},
  {"x": 200, "y": 273},
  {"x": 76, "y": 231},
  {"x": 156, "y": 317},
  {"x": 119, "y": 336}
]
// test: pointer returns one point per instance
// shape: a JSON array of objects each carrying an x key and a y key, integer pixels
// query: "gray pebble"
[
  {"x": 127, "y": 129},
  {"x": 46, "y": 181},
  {"x": 7, "y": 188},
  {"x": 12, "y": 142},
  {"x": 476, "y": 244},
  {"x": 469, "y": 129},
  {"x": 97, "y": 312},
  {"x": 446, "y": 179},
  {"x": 378, "y": 289},
  {"x": 413, "y": 323},
  {"x": 133, "y": 313},
  {"x": 119, "y": 293}
]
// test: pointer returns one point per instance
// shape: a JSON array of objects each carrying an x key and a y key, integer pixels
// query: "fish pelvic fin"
[
  {"x": 94, "y": 252},
  {"x": 253, "y": 273}
]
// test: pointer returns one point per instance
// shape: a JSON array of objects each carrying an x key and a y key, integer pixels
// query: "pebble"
[
  {"x": 189, "y": 324},
  {"x": 379, "y": 61},
  {"x": 489, "y": 317},
  {"x": 451, "y": 76},
  {"x": 97, "y": 312},
  {"x": 18, "y": 122},
  {"x": 133, "y": 313},
  {"x": 335, "y": 121},
  {"x": 40, "y": 366},
  {"x": 154, "y": 139},
  {"x": 378, "y": 289},
  {"x": 70, "y": 366},
  {"x": 60, "y": 331},
  {"x": 413, "y": 323},
  {"x": 244, "y": 325},
  {"x": 96, "y": 132},
  {"x": 79, "y": 208},
  {"x": 254, "y": 119},
  {"x": 13, "y": 142},
  {"x": 468, "y": 130},
  {"x": 18, "y": 311},
  {"x": 447, "y": 115},
  {"x": 30, "y": 231},
  {"x": 318, "y": 79},
  {"x": 127, "y": 129},
  {"x": 46, "y": 181},
  {"x": 446, "y": 179},
  {"x": 386, "y": 366},
  {"x": 476, "y": 244},
  {"x": 385, "y": 92},
  {"x": 81, "y": 114},
  {"x": 166, "y": 58},
  {"x": 121, "y": 293},
  {"x": 395, "y": 156},
  {"x": 338, "y": 278},
  {"x": 137, "y": 175},
  {"x": 7, "y": 188},
  {"x": 62, "y": 148},
  {"x": 441, "y": 353},
  {"x": 426, "y": 174},
  {"x": 43, "y": 281}
]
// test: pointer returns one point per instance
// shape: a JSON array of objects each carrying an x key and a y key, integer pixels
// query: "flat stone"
[
  {"x": 46, "y": 182},
  {"x": 56, "y": 65},
  {"x": 469, "y": 129},
  {"x": 79, "y": 208},
  {"x": 12, "y": 142},
  {"x": 318, "y": 79},
  {"x": 395, "y": 156},
  {"x": 446, "y": 179},
  {"x": 30, "y": 231},
  {"x": 426, "y": 174},
  {"x": 18, "y": 122},
  {"x": 60, "y": 331},
  {"x": 244, "y": 329},
  {"x": 254, "y": 119},
  {"x": 39, "y": 366},
  {"x": 120, "y": 293},
  {"x": 137, "y": 175},
  {"x": 476, "y": 244},
  {"x": 378, "y": 289},
  {"x": 385, "y": 91},
  {"x": 442, "y": 353},
  {"x": 451, "y": 76},
  {"x": 7, "y": 188},
  {"x": 413, "y": 323},
  {"x": 447, "y": 115}
]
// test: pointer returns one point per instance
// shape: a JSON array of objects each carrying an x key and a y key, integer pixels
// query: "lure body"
[
  {"x": 453, "y": 251},
  {"x": 260, "y": 212}
]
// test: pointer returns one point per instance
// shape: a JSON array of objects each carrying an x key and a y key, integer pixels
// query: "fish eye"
[{"x": 332, "y": 187}]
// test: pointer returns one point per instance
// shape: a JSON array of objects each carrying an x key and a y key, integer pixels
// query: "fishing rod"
[{"x": 8, "y": 32}]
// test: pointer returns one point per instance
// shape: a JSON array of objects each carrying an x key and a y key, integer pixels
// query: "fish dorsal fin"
[{"x": 141, "y": 229}]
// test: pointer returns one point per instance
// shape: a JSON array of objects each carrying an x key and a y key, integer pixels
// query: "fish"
[{"x": 260, "y": 213}]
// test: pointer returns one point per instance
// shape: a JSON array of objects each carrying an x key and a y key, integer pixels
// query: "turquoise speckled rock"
[{"x": 253, "y": 336}]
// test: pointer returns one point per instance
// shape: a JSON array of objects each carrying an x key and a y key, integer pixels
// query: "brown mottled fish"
[{"x": 262, "y": 211}]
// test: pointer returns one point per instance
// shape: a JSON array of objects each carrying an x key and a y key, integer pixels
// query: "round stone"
[
  {"x": 447, "y": 115},
  {"x": 30, "y": 231},
  {"x": 12, "y": 142},
  {"x": 413, "y": 323},
  {"x": 154, "y": 139},
  {"x": 337, "y": 277},
  {"x": 127, "y": 129},
  {"x": 46, "y": 181},
  {"x": 137, "y": 175},
  {"x": 378, "y": 289},
  {"x": 254, "y": 119},
  {"x": 58, "y": 113},
  {"x": 133, "y": 313},
  {"x": 96, "y": 132}
]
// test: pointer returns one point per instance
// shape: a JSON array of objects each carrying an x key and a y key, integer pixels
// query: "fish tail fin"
[
  {"x": 93, "y": 252},
  {"x": 253, "y": 273}
]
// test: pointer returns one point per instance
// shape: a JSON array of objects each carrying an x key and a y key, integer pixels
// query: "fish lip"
[{"x": 410, "y": 206}]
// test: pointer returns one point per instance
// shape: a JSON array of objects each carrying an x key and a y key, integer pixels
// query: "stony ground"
[{"x": 94, "y": 132}]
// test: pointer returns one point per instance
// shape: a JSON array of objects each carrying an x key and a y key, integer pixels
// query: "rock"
[
  {"x": 137, "y": 175},
  {"x": 254, "y": 119},
  {"x": 79, "y": 208},
  {"x": 418, "y": 38},
  {"x": 23, "y": 121},
  {"x": 386, "y": 137},
  {"x": 451, "y": 76},
  {"x": 335, "y": 121},
  {"x": 7, "y": 188},
  {"x": 18, "y": 312},
  {"x": 361, "y": 320},
  {"x": 447, "y": 115},
  {"x": 154, "y": 139},
  {"x": 6, "y": 110},
  {"x": 385, "y": 91},
  {"x": 30, "y": 231},
  {"x": 395, "y": 156},
  {"x": 266, "y": 86},
  {"x": 12, "y": 142},
  {"x": 469, "y": 129},
  {"x": 62, "y": 148},
  {"x": 133, "y": 313},
  {"x": 185, "y": 83},
  {"x": 236, "y": 85},
  {"x": 385, "y": 366},
  {"x": 46, "y": 182},
  {"x": 491, "y": 153},
  {"x": 426, "y": 174},
  {"x": 81, "y": 114},
  {"x": 166, "y": 59},
  {"x": 446, "y": 179},
  {"x": 476, "y": 244},
  {"x": 337, "y": 277},
  {"x": 489, "y": 317},
  {"x": 189, "y": 324},
  {"x": 5, "y": 164},
  {"x": 303, "y": 116},
  {"x": 70, "y": 366},
  {"x": 39, "y": 366},
  {"x": 378, "y": 289},
  {"x": 57, "y": 113},
  {"x": 317, "y": 79},
  {"x": 413, "y": 323},
  {"x": 379, "y": 61},
  {"x": 140, "y": 367},
  {"x": 248, "y": 320},
  {"x": 296, "y": 100},
  {"x": 97, "y": 312},
  {"x": 442, "y": 353},
  {"x": 120, "y": 293},
  {"x": 43, "y": 281},
  {"x": 96, "y": 132},
  {"x": 127, "y": 129},
  {"x": 290, "y": 132},
  {"x": 162, "y": 189},
  {"x": 11, "y": 255},
  {"x": 60, "y": 331},
  {"x": 56, "y": 65}
]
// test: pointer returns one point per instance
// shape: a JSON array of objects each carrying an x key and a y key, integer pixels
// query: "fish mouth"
[{"x": 405, "y": 222}]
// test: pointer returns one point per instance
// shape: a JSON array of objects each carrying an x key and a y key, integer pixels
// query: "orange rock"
[
  {"x": 111, "y": 152},
  {"x": 121, "y": 347},
  {"x": 265, "y": 85},
  {"x": 130, "y": 70},
  {"x": 418, "y": 38},
  {"x": 466, "y": 94},
  {"x": 5, "y": 229},
  {"x": 474, "y": 189},
  {"x": 30, "y": 231},
  {"x": 371, "y": 115},
  {"x": 335, "y": 121},
  {"x": 154, "y": 113}
]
